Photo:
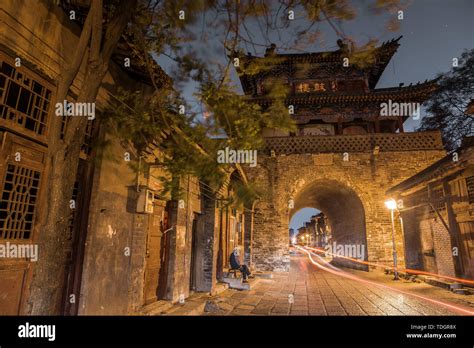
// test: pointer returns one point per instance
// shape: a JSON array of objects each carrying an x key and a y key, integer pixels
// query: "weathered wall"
[
  {"x": 368, "y": 175},
  {"x": 43, "y": 37},
  {"x": 413, "y": 242},
  {"x": 428, "y": 243},
  {"x": 181, "y": 218},
  {"x": 442, "y": 246},
  {"x": 438, "y": 216},
  {"x": 248, "y": 236},
  {"x": 112, "y": 280},
  {"x": 208, "y": 245}
]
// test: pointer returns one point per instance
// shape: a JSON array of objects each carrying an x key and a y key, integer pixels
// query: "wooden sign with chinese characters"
[{"x": 316, "y": 86}]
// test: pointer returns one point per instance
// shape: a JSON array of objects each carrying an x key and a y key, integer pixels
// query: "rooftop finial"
[
  {"x": 270, "y": 50},
  {"x": 342, "y": 45}
]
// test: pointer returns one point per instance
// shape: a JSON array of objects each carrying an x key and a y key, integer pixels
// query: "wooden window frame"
[
  {"x": 16, "y": 202},
  {"x": 26, "y": 79}
]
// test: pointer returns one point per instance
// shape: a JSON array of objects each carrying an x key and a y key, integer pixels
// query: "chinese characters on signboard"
[{"x": 325, "y": 86}]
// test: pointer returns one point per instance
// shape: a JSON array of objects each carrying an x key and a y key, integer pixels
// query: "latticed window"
[
  {"x": 18, "y": 203},
  {"x": 23, "y": 100},
  {"x": 470, "y": 188},
  {"x": 437, "y": 195}
]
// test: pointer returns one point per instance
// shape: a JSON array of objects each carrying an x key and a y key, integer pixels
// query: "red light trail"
[
  {"x": 407, "y": 270},
  {"x": 338, "y": 272}
]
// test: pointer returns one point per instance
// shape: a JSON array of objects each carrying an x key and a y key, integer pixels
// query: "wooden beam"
[{"x": 400, "y": 123}]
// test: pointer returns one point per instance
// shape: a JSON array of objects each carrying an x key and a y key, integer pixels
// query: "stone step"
[
  {"x": 156, "y": 308},
  {"x": 443, "y": 283},
  {"x": 188, "y": 308},
  {"x": 236, "y": 283},
  {"x": 463, "y": 291}
]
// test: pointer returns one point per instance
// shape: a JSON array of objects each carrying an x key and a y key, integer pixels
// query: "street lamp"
[{"x": 392, "y": 205}]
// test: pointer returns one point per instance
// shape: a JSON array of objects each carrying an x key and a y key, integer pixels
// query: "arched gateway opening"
[{"x": 344, "y": 216}]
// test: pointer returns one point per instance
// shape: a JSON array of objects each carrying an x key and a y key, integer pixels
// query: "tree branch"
[
  {"x": 96, "y": 36},
  {"x": 116, "y": 27}
]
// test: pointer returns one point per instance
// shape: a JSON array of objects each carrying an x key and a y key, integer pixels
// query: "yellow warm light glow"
[{"x": 391, "y": 204}]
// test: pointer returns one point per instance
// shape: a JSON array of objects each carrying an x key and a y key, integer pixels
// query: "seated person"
[{"x": 235, "y": 264}]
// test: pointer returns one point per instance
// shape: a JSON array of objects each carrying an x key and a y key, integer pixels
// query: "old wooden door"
[
  {"x": 194, "y": 250},
  {"x": 25, "y": 103},
  {"x": 21, "y": 188},
  {"x": 232, "y": 235},
  {"x": 466, "y": 250},
  {"x": 153, "y": 253}
]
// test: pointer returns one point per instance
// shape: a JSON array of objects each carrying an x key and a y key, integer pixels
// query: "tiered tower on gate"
[{"x": 329, "y": 94}]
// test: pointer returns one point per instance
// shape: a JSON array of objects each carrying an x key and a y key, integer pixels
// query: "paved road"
[{"x": 309, "y": 290}]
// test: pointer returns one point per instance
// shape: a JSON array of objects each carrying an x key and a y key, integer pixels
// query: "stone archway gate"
[{"x": 368, "y": 164}]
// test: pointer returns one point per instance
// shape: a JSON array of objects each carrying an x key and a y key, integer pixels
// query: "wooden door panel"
[
  {"x": 153, "y": 255},
  {"x": 21, "y": 187},
  {"x": 11, "y": 285},
  {"x": 466, "y": 248}
]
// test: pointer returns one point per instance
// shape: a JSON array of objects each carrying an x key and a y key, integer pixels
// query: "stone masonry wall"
[{"x": 368, "y": 175}]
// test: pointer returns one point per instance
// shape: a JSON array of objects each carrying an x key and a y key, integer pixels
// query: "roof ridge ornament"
[
  {"x": 342, "y": 44},
  {"x": 270, "y": 51}
]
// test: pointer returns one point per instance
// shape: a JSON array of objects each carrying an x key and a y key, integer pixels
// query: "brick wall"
[
  {"x": 443, "y": 248},
  {"x": 427, "y": 245}
]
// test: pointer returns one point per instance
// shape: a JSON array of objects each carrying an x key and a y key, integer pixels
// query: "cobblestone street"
[{"x": 318, "y": 292}]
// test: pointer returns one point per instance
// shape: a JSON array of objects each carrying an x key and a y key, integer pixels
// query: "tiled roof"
[{"x": 383, "y": 55}]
